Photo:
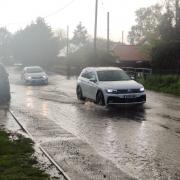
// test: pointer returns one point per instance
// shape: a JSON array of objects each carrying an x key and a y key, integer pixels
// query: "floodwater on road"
[{"x": 93, "y": 142}]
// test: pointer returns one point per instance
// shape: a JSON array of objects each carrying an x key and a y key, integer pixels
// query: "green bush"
[
  {"x": 163, "y": 83},
  {"x": 166, "y": 57}
]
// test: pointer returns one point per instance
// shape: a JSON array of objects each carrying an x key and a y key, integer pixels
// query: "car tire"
[
  {"x": 100, "y": 98},
  {"x": 79, "y": 93},
  {"x": 46, "y": 83}
]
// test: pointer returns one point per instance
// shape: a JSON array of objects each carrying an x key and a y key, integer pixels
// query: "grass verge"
[
  {"x": 16, "y": 159},
  {"x": 163, "y": 83}
]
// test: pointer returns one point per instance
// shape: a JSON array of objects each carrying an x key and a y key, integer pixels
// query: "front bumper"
[
  {"x": 126, "y": 99},
  {"x": 37, "y": 81}
]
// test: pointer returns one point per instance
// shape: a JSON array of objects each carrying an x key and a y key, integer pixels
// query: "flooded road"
[{"x": 93, "y": 142}]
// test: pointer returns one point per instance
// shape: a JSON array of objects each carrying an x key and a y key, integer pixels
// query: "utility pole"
[
  {"x": 107, "y": 31},
  {"x": 67, "y": 52},
  {"x": 122, "y": 37},
  {"x": 67, "y": 42},
  {"x": 95, "y": 26},
  {"x": 177, "y": 12}
]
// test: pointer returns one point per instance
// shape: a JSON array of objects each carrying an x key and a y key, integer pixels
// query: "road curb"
[{"x": 40, "y": 147}]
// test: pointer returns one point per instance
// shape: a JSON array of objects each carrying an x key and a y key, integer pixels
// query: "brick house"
[{"x": 130, "y": 56}]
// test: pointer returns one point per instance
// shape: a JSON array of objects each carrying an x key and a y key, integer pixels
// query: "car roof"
[
  {"x": 31, "y": 67},
  {"x": 101, "y": 68}
]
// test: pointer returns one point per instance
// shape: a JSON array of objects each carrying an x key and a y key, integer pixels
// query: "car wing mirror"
[
  {"x": 132, "y": 77},
  {"x": 93, "y": 80}
]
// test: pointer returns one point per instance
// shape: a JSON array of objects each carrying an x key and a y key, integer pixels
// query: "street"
[{"x": 93, "y": 142}]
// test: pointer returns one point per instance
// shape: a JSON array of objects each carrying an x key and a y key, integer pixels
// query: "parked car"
[
  {"x": 4, "y": 85},
  {"x": 108, "y": 86},
  {"x": 34, "y": 75}
]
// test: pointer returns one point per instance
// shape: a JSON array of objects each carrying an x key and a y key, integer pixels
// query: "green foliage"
[
  {"x": 85, "y": 57},
  {"x": 157, "y": 31},
  {"x": 36, "y": 44},
  {"x": 166, "y": 56},
  {"x": 170, "y": 24},
  {"x": 166, "y": 25},
  {"x": 16, "y": 160},
  {"x": 147, "y": 21},
  {"x": 80, "y": 35},
  {"x": 163, "y": 83},
  {"x": 5, "y": 45}
]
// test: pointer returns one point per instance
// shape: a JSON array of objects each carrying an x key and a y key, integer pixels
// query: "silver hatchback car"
[
  {"x": 108, "y": 86},
  {"x": 34, "y": 75}
]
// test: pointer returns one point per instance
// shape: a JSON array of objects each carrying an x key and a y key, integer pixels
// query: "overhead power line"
[
  {"x": 59, "y": 10},
  {"x": 46, "y": 16}
]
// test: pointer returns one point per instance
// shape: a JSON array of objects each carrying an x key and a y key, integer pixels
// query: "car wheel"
[
  {"x": 100, "y": 98},
  {"x": 46, "y": 82},
  {"x": 79, "y": 93}
]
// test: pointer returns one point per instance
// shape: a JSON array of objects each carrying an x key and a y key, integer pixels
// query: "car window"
[
  {"x": 34, "y": 70},
  {"x": 91, "y": 75},
  {"x": 85, "y": 74},
  {"x": 112, "y": 75}
]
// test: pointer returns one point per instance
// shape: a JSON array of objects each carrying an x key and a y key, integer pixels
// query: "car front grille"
[
  {"x": 37, "y": 78},
  {"x": 118, "y": 100},
  {"x": 127, "y": 91}
]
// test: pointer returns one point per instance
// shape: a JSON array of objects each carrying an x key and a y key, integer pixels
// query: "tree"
[
  {"x": 80, "y": 35},
  {"x": 177, "y": 15},
  {"x": 36, "y": 44},
  {"x": 157, "y": 32},
  {"x": 166, "y": 56},
  {"x": 166, "y": 25},
  {"x": 5, "y": 45},
  {"x": 85, "y": 57},
  {"x": 147, "y": 21}
]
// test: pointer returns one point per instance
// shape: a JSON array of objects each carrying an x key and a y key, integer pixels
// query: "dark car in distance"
[{"x": 4, "y": 85}]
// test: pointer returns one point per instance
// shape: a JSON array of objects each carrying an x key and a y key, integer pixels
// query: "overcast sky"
[{"x": 16, "y": 14}]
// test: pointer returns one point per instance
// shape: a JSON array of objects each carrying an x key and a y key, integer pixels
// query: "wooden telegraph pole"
[
  {"x": 122, "y": 37},
  {"x": 67, "y": 41},
  {"x": 107, "y": 31},
  {"x": 95, "y": 26}
]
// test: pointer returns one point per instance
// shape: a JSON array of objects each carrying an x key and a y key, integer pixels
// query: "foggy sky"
[{"x": 16, "y": 14}]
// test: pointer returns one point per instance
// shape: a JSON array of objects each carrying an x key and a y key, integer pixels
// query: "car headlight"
[
  {"x": 29, "y": 77},
  {"x": 141, "y": 89},
  {"x": 45, "y": 77},
  {"x": 111, "y": 91}
]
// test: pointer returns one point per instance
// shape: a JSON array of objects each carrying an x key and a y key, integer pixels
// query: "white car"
[
  {"x": 34, "y": 75},
  {"x": 108, "y": 86}
]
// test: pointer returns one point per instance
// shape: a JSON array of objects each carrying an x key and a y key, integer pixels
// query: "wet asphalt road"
[{"x": 92, "y": 142}]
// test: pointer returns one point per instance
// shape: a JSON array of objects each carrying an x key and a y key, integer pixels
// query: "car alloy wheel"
[
  {"x": 79, "y": 93},
  {"x": 100, "y": 98}
]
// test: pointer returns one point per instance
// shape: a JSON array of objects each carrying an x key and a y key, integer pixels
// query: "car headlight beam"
[
  {"x": 142, "y": 89},
  {"x": 45, "y": 77},
  {"x": 111, "y": 91}
]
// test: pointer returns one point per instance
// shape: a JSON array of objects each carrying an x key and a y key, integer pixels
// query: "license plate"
[{"x": 129, "y": 96}]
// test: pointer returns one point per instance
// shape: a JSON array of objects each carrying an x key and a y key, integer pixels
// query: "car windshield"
[
  {"x": 34, "y": 70},
  {"x": 113, "y": 75}
]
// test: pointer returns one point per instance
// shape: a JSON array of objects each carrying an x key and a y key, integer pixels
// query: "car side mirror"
[{"x": 93, "y": 80}]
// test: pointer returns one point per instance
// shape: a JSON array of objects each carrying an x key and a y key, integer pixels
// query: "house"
[{"x": 130, "y": 56}]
